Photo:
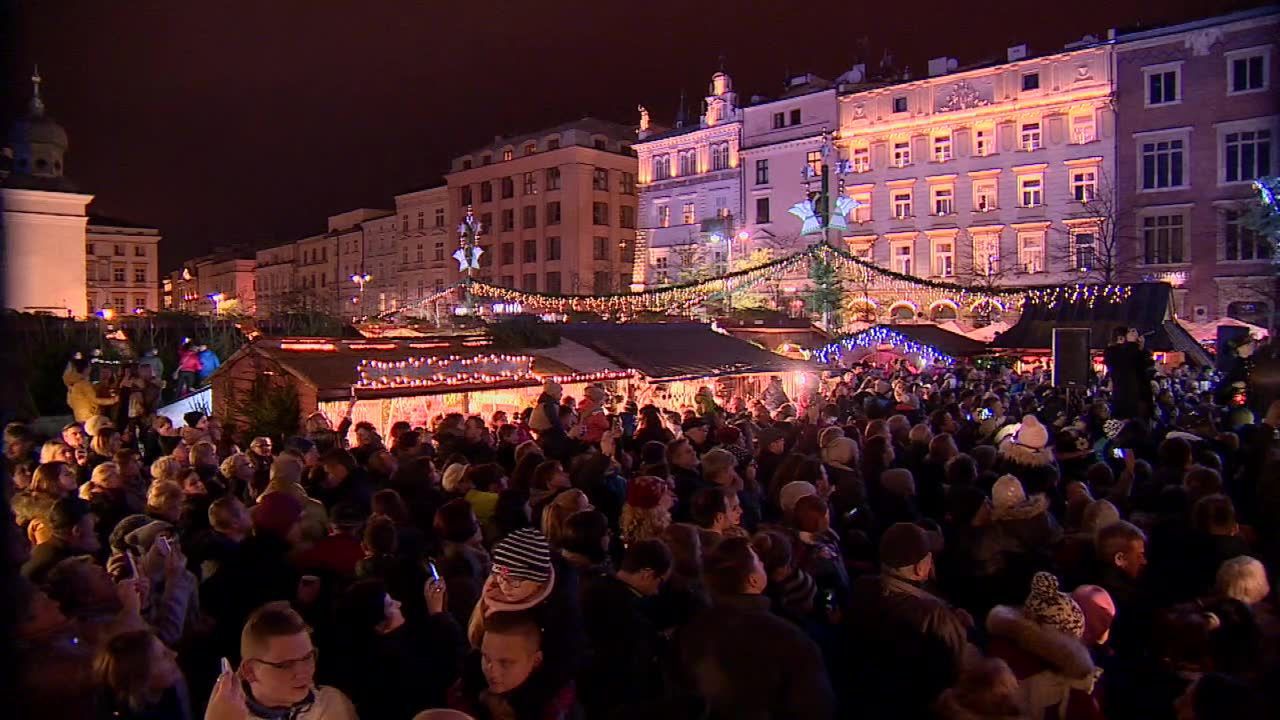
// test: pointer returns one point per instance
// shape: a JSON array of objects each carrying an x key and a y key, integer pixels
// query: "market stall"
[{"x": 921, "y": 345}]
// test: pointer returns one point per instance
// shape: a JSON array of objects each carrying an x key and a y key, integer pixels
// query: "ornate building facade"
[
  {"x": 690, "y": 189},
  {"x": 123, "y": 266}
]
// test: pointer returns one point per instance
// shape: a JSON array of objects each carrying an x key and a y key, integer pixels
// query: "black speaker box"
[{"x": 1070, "y": 357}]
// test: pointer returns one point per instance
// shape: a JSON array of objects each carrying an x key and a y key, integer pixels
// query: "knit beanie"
[
  {"x": 1051, "y": 608},
  {"x": 792, "y": 492},
  {"x": 276, "y": 513},
  {"x": 97, "y": 424},
  {"x": 1097, "y": 515},
  {"x": 645, "y": 492},
  {"x": 1099, "y": 612},
  {"x": 453, "y": 477},
  {"x": 1032, "y": 433},
  {"x": 1007, "y": 492},
  {"x": 522, "y": 575},
  {"x": 142, "y": 537}
]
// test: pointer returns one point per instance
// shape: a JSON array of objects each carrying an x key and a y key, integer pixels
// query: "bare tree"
[{"x": 1100, "y": 241}]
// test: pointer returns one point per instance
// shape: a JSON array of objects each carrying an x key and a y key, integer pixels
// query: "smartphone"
[
  {"x": 163, "y": 543},
  {"x": 432, "y": 572},
  {"x": 226, "y": 666},
  {"x": 133, "y": 564},
  {"x": 1117, "y": 453},
  {"x": 983, "y": 413}
]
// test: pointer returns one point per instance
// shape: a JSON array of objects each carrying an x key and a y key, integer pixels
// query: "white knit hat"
[
  {"x": 1007, "y": 492},
  {"x": 792, "y": 492},
  {"x": 1032, "y": 433},
  {"x": 453, "y": 477}
]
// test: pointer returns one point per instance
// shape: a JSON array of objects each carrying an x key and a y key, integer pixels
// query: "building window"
[
  {"x": 1243, "y": 242},
  {"x": 422, "y": 220},
  {"x": 117, "y": 274},
  {"x": 944, "y": 202},
  {"x": 984, "y": 195},
  {"x": 508, "y": 188},
  {"x": 600, "y": 248},
  {"x": 507, "y": 281},
  {"x": 779, "y": 120},
  {"x": 139, "y": 275},
  {"x": 901, "y": 154},
  {"x": 1163, "y": 85},
  {"x": 942, "y": 148},
  {"x": 795, "y": 116},
  {"x": 464, "y": 195},
  {"x": 1162, "y": 164},
  {"x": 530, "y": 251},
  {"x": 466, "y": 164},
  {"x": 1247, "y": 155},
  {"x": 553, "y": 282},
  {"x": 687, "y": 214},
  {"x": 1084, "y": 184},
  {"x": 661, "y": 167},
  {"x": 861, "y": 159},
  {"x": 600, "y": 282},
  {"x": 1163, "y": 239},
  {"x": 553, "y": 248},
  {"x": 486, "y": 192},
  {"x": 486, "y": 222},
  {"x": 1029, "y": 139},
  {"x": 508, "y": 253},
  {"x": 627, "y": 217},
  {"x": 1084, "y": 251},
  {"x": 902, "y": 204},
  {"x": 508, "y": 154},
  {"x": 628, "y": 184},
  {"x": 1083, "y": 129},
  {"x": 437, "y": 252},
  {"x": 419, "y": 253},
  {"x": 530, "y": 282},
  {"x": 1031, "y": 251},
  {"x": 688, "y": 162},
  {"x": 140, "y": 302},
  {"x": 1247, "y": 72},
  {"x": 553, "y": 212},
  {"x": 529, "y": 187},
  {"x": 1031, "y": 81},
  {"x": 983, "y": 142},
  {"x": 813, "y": 163},
  {"x": 89, "y": 249},
  {"x": 119, "y": 250},
  {"x": 118, "y": 303},
  {"x": 530, "y": 217},
  {"x": 664, "y": 216},
  {"x": 439, "y": 217},
  {"x": 553, "y": 178},
  {"x": 902, "y": 256},
  {"x": 600, "y": 144},
  {"x": 862, "y": 210},
  {"x": 944, "y": 258},
  {"x": 138, "y": 251},
  {"x": 762, "y": 210},
  {"x": 900, "y": 104},
  {"x": 762, "y": 172},
  {"x": 986, "y": 253},
  {"x": 530, "y": 148},
  {"x": 599, "y": 213},
  {"x": 720, "y": 156},
  {"x": 722, "y": 207},
  {"x": 600, "y": 179},
  {"x": 1030, "y": 191}
]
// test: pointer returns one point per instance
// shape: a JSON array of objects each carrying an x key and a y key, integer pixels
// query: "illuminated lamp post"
[{"x": 360, "y": 279}]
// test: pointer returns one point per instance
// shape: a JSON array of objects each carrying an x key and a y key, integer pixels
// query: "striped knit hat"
[{"x": 523, "y": 554}]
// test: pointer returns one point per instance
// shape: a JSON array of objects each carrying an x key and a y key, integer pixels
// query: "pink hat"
[{"x": 1099, "y": 612}]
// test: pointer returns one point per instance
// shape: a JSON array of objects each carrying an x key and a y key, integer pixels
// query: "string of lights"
[{"x": 875, "y": 337}]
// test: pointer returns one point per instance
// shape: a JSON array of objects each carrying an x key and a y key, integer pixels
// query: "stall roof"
[
  {"x": 1146, "y": 306},
  {"x": 940, "y": 339},
  {"x": 670, "y": 351}
]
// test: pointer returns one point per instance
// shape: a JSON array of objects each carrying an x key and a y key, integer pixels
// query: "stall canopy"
[
  {"x": 926, "y": 340},
  {"x": 1148, "y": 307},
  {"x": 673, "y": 351}
]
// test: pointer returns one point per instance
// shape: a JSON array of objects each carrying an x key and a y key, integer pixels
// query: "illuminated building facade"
[
  {"x": 422, "y": 240},
  {"x": 690, "y": 189},
  {"x": 273, "y": 279},
  {"x": 122, "y": 268},
  {"x": 558, "y": 208},
  {"x": 998, "y": 175},
  {"x": 1198, "y": 122}
]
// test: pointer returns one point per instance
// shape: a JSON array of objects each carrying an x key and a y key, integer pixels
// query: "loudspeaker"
[
  {"x": 1227, "y": 335},
  {"x": 1070, "y": 357}
]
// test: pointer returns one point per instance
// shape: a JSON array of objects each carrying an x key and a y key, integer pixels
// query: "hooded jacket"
[{"x": 1056, "y": 676}]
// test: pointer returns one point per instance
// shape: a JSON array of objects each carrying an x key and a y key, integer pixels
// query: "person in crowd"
[
  {"x": 72, "y": 532},
  {"x": 286, "y": 478},
  {"x": 137, "y": 676},
  {"x": 508, "y": 676},
  {"x": 647, "y": 512},
  {"x": 463, "y": 563}
]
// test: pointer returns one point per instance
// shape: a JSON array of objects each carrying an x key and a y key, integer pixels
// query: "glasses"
[{"x": 289, "y": 665}]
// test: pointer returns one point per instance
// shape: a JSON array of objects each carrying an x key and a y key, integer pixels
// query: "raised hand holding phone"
[{"x": 227, "y": 701}]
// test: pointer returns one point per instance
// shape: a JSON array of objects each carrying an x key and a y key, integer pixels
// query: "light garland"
[
  {"x": 444, "y": 371},
  {"x": 875, "y": 337}
]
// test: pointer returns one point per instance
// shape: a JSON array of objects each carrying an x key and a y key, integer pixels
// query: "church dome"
[{"x": 38, "y": 130}]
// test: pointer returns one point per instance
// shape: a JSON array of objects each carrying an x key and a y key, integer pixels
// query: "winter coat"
[
  {"x": 464, "y": 569},
  {"x": 315, "y": 519},
  {"x": 749, "y": 664},
  {"x": 1035, "y": 467},
  {"x": 1028, "y": 527},
  {"x": 208, "y": 363},
  {"x": 174, "y": 609},
  {"x": 818, "y": 554},
  {"x": 1056, "y": 676},
  {"x": 396, "y": 675},
  {"x": 622, "y": 666}
]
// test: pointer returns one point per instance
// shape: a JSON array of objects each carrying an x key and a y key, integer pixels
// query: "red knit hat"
[
  {"x": 645, "y": 492},
  {"x": 276, "y": 513},
  {"x": 728, "y": 435}
]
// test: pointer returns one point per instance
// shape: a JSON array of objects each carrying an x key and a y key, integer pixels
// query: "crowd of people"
[{"x": 954, "y": 543}]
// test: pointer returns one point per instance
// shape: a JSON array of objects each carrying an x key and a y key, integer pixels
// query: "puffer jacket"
[{"x": 1056, "y": 676}]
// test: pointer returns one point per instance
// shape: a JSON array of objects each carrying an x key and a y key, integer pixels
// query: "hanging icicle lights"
[
  {"x": 453, "y": 370},
  {"x": 875, "y": 337}
]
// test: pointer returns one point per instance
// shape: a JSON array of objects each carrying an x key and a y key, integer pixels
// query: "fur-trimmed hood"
[
  {"x": 1012, "y": 452},
  {"x": 1029, "y": 508},
  {"x": 1061, "y": 653}
]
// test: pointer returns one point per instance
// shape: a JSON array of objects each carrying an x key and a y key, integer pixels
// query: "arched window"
[
  {"x": 902, "y": 312},
  {"x": 942, "y": 311}
]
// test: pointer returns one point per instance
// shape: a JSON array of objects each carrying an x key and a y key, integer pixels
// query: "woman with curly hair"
[{"x": 647, "y": 512}]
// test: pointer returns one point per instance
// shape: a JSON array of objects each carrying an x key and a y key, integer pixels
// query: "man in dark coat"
[
  {"x": 742, "y": 660},
  {"x": 910, "y": 643},
  {"x": 1129, "y": 366},
  {"x": 72, "y": 522}
]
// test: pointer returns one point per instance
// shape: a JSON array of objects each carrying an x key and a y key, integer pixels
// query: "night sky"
[{"x": 251, "y": 121}]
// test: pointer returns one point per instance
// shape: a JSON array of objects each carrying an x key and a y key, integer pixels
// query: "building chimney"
[
  {"x": 1017, "y": 52},
  {"x": 942, "y": 66}
]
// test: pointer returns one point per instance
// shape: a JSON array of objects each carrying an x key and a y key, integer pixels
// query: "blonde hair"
[
  {"x": 166, "y": 468},
  {"x": 557, "y": 512},
  {"x": 228, "y": 467},
  {"x": 203, "y": 448},
  {"x": 52, "y": 450},
  {"x": 163, "y": 492},
  {"x": 103, "y": 472},
  {"x": 1243, "y": 578},
  {"x": 639, "y": 524}
]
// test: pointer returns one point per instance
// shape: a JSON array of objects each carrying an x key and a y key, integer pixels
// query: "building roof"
[
  {"x": 940, "y": 339},
  {"x": 616, "y": 131},
  {"x": 1124, "y": 35},
  {"x": 1147, "y": 307},
  {"x": 103, "y": 221},
  {"x": 671, "y": 351}
]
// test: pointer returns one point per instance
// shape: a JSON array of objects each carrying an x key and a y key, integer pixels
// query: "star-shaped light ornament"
[
  {"x": 468, "y": 257},
  {"x": 810, "y": 224}
]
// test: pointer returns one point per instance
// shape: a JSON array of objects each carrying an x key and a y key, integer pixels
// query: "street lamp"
[
  {"x": 216, "y": 299},
  {"x": 361, "y": 279}
]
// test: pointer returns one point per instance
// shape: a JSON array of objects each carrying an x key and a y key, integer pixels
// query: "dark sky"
[{"x": 235, "y": 121}]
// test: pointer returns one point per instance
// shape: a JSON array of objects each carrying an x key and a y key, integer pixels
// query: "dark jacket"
[
  {"x": 622, "y": 663},
  {"x": 397, "y": 675},
  {"x": 464, "y": 569},
  {"x": 747, "y": 663},
  {"x": 910, "y": 646},
  {"x": 45, "y": 555}
]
